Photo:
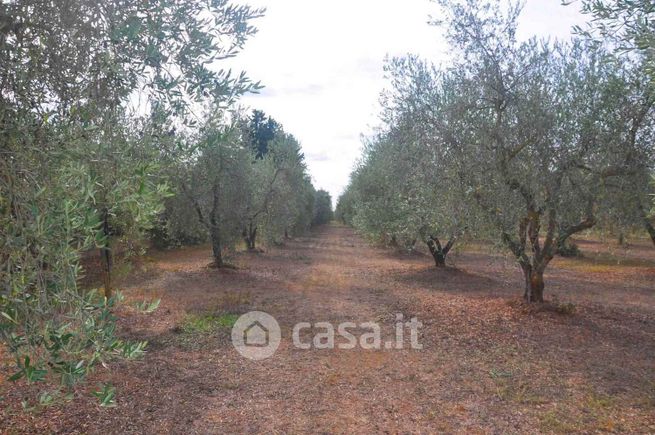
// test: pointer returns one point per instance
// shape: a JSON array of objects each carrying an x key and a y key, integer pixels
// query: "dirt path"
[{"x": 486, "y": 366}]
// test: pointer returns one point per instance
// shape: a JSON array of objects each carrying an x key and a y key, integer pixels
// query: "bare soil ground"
[{"x": 488, "y": 364}]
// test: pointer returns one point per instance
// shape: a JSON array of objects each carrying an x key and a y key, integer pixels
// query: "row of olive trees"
[
  {"x": 101, "y": 122},
  {"x": 234, "y": 187},
  {"x": 527, "y": 142}
]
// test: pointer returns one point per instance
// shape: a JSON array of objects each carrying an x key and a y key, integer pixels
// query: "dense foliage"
[{"x": 322, "y": 208}]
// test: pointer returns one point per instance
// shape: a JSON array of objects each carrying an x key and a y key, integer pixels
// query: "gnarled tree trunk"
[
  {"x": 534, "y": 283},
  {"x": 438, "y": 252},
  {"x": 217, "y": 246},
  {"x": 250, "y": 236}
]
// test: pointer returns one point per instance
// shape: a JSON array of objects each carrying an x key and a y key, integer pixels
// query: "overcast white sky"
[{"x": 321, "y": 64}]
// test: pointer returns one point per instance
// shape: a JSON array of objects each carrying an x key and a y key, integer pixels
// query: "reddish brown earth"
[{"x": 488, "y": 364}]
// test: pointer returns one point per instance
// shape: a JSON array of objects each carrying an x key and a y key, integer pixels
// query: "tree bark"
[
  {"x": 250, "y": 236},
  {"x": 439, "y": 258},
  {"x": 536, "y": 286},
  {"x": 527, "y": 273},
  {"x": 106, "y": 257},
  {"x": 438, "y": 252},
  {"x": 214, "y": 227},
  {"x": 620, "y": 240},
  {"x": 651, "y": 230},
  {"x": 253, "y": 237},
  {"x": 217, "y": 247}
]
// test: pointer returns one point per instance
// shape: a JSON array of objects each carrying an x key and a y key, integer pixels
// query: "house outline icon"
[{"x": 256, "y": 335}]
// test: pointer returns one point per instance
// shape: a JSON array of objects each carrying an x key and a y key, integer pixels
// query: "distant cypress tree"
[{"x": 261, "y": 130}]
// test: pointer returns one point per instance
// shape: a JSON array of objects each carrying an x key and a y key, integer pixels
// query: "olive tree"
[
  {"x": 274, "y": 188},
  {"x": 291, "y": 208},
  {"x": 429, "y": 162},
  {"x": 402, "y": 196},
  {"x": 543, "y": 136},
  {"x": 410, "y": 184},
  {"x": 211, "y": 182}
]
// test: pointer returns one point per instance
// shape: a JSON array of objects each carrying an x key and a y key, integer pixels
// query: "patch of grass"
[
  {"x": 235, "y": 301},
  {"x": 300, "y": 257},
  {"x": 324, "y": 278},
  {"x": 517, "y": 392},
  {"x": 203, "y": 324},
  {"x": 564, "y": 308},
  {"x": 512, "y": 384},
  {"x": 598, "y": 402},
  {"x": 495, "y": 374},
  {"x": 602, "y": 262},
  {"x": 554, "y": 306},
  {"x": 203, "y": 331},
  {"x": 333, "y": 378},
  {"x": 230, "y": 385},
  {"x": 147, "y": 307},
  {"x": 649, "y": 395},
  {"x": 567, "y": 308},
  {"x": 122, "y": 269},
  {"x": 599, "y": 407},
  {"x": 553, "y": 421},
  {"x": 596, "y": 417}
]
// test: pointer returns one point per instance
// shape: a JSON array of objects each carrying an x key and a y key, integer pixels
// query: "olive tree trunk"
[
  {"x": 106, "y": 258},
  {"x": 439, "y": 252},
  {"x": 250, "y": 236},
  {"x": 217, "y": 247},
  {"x": 534, "y": 283}
]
